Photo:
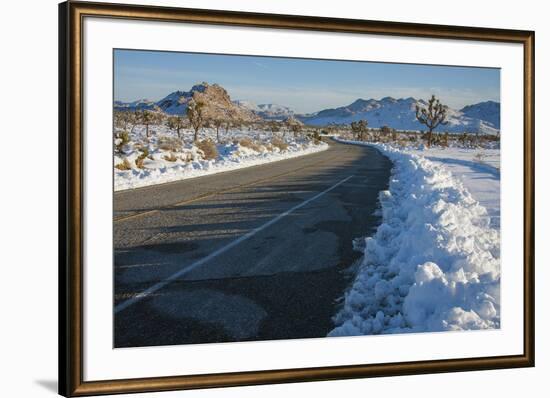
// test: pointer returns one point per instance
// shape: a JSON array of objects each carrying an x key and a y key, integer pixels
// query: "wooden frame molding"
[{"x": 71, "y": 15}]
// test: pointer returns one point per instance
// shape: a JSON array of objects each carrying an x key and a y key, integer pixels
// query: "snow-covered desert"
[{"x": 433, "y": 261}]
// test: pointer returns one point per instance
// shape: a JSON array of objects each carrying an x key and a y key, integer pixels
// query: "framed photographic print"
[{"x": 251, "y": 198}]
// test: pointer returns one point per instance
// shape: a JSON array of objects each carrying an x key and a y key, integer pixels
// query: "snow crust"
[
  {"x": 433, "y": 263},
  {"x": 232, "y": 155},
  {"x": 477, "y": 168}
]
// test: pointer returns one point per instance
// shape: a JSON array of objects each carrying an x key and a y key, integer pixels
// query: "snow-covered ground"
[
  {"x": 479, "y": 171},
  {"x": 171, "y": 159},
  {"x": 434, "y": 262}
]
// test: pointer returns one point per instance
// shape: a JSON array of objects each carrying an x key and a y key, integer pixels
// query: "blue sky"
[{"x": 304, "y": 85}]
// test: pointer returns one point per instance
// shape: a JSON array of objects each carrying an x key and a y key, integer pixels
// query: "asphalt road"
[{"x": 251, "y": 254}]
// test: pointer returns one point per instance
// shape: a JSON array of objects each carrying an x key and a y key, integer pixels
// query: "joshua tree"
[
  {"x": 463, "y": 138},
  {"x": 274, "y": 126},
  {"x": 218, "y": 116},
  {"x": 296, "y": 128},
  {"x": 227, "y": 124},
  {"x": 124, "y": 119},
  {"x": 445, "y": 139},
  {"x": 359, "y": 128},
  {"x": 196, "y": 116},
  {"x": 217, "y": 123},
  {"x": 176, "y": 123},
  {"x": 146, "y": 118},
  {"x": 293, "y": 125},
  {"x": 236, "y": 123},
  {"x": 433, "y": 116},
  {"x": 387, "y": 131}
]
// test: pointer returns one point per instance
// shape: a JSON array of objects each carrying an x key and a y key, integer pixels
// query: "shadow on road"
[{"x": 284, "y": 282}]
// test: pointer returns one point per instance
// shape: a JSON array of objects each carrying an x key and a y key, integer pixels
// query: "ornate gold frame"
[{"x": 71, "y": 15}]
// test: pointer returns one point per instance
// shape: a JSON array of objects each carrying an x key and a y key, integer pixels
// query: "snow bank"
[
  {"x": 434, "y": 262},
  {"x": 478, "y": 169},
  {"x": 231, "y": 156}
]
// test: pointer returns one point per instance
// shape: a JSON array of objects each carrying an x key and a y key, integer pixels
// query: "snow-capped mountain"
[
  {"x": 140, "y": 104},
  {"x": 400, "y": 114},
  {"x": 274, "y": 111},
  {"x": 488, "y": 111},
  {"x": 267, "y": 111},
  {"x": 247, "y": 104},
  {"x": 174, "y": 103}
]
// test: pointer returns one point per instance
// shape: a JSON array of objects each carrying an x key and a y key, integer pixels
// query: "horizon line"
[{"x": 277, "y": 103}]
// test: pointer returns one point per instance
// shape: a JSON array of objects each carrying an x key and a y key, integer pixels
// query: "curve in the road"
[{"x": 252, "y": 254}]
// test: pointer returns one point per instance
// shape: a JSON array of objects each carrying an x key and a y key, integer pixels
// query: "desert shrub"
[
  {"x": 169, "y": 144},
  {"x": 208, "y": 148},
  {"x": 171, "y": 157},
  {"x": 168, "y": 147},
  {"x": 278, "y": 143},
  {"x": 139, "y": 162},
  {"x": 141, "y": 158},
  {"x": 402, "y": 142},
  {"x": 444, "y": 140},
  {"x": 125, "y": 165},
  {"x": 122, "y": 138},
  {"x": 315, "y": 138},
  {"x": 187, "y": 157},
  {"x": 248, "y": 143},
  {"x": 144, "y": 152}
]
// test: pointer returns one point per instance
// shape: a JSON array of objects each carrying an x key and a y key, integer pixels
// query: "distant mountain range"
[
  {"x": 488, "y": 111},
  {"x": 268, "y": 111},
  {"x": 400, "y": 113}
]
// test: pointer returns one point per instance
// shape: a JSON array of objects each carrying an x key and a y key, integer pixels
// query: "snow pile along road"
[
  {"x": 434, "y": 262},
  {"x": 157, "y": 169}
]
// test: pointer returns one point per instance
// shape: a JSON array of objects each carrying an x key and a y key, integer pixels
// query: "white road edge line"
[{"x": 221, "y": 250}]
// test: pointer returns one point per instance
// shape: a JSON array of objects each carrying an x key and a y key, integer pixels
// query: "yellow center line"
[{"x": 210, "y": 194}]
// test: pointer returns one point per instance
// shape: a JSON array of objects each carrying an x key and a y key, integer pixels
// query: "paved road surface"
[{"x": 251, "y": 254}]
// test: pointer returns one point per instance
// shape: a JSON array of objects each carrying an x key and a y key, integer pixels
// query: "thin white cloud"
[{"x": 260, "y": 65}]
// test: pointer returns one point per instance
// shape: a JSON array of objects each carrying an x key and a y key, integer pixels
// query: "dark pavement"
[{"x": 250, "y": 254}]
